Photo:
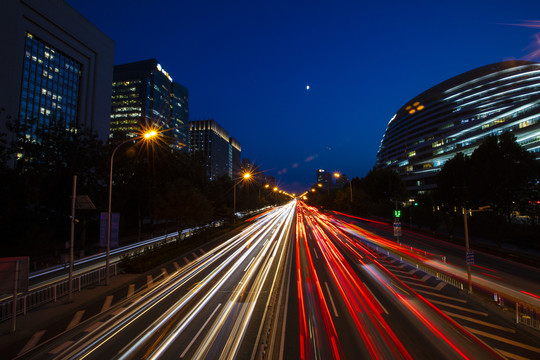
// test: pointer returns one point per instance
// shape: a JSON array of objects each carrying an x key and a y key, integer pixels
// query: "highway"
[
  {"x": 296, "y": 283},
  {"x": 215, "y": 305}
]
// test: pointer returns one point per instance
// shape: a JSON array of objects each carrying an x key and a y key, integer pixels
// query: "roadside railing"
[
  {"x": 526, "y": 314},
  {"x": 52, "y": 292}
]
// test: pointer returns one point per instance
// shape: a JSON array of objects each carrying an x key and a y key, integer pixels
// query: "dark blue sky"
[{"x": 247, "y": 64}]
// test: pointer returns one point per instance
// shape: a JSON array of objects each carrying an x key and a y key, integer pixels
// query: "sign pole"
[
  {"x": 71, "y": 242},
  {"x": 15, "y": 290},
  {"x": 469, "y": 278}
]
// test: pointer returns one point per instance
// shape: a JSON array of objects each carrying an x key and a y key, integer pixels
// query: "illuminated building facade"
[
  {"x": 56, "y": 66},
  {"x": 324, "y": 178},
  {"x": 144, "y": 93},
  {"x": 222, "y": 152},
  {"x": 456, "y": 115}
]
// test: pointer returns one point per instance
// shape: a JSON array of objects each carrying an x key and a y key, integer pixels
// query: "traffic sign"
[{"x": 397, "y": 228}]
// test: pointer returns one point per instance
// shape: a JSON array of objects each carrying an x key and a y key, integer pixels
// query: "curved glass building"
[{"x": 456, "y": 115}]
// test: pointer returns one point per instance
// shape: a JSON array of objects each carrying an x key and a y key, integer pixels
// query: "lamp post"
[
  {"x": 338, "y": 175},
  {"x": 245, "y": 176},
  {"x": 146, "y": 136}
]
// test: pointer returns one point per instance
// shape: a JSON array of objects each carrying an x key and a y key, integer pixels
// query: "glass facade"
[
  {"x": 144, "y": 93},
  {"x": 50, "y": 86},
  {"x": 222, "y": 153},
  {"x": 456, "y": 115}
]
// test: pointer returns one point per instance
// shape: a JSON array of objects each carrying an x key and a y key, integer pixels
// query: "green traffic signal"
[{"x": 397, "y": 213}]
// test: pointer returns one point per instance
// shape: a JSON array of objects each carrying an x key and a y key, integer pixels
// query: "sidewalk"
[{"x": 40, "y": 318}]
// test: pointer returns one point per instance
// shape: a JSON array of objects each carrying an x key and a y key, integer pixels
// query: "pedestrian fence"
[{"x": 52, "y": 292}]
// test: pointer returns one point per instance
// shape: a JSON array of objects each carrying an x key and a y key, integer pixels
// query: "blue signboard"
[
  {"x": 115, "y": 225},
  {"x": 469, "y": 257}
]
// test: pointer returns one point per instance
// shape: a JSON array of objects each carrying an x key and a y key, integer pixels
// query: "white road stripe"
[
  {"x": 202, "y": 251},
  {"x": 331, "y": 299},
  {"x": 165, "y": 273},
  {"x": 131, "y": 290},
  {"x": 76, "y": 320},
  {"x": 32, "y": 342},
  {"x": 176, "y": 266},
  {"x": 149, "y": 281},
  {"x": 381, "y": 305},
  {"x": 107, "y": 304},
  {"x": 501, "y": 339},
  {"x": 480, "y": 322},
  {"x": 315, "y": 251},
  {"x": 186, "y": 260},
  {"x": 199, "y": 333},
  {"x": 93, "y": 326},
  {"x": 249, "y": 264},
  {"x": 458, "y": 307},
  {"x": 441, "y": 296},
  {"x": 61, "y": 347}
]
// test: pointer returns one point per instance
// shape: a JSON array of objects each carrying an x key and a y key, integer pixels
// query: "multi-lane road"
[{"x": 296, "y": 284}]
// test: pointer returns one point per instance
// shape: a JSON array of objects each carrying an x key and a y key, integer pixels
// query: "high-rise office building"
[
  {"x": 324, "y": 178},
  {"x": 221, "y": 152},
  {"x": 55, "y": 65},
  {"x": 457, "y": 115},
  {"x": 144, "y": 93}
]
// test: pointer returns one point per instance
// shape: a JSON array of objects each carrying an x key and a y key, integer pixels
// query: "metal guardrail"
[
  {"x": 52, "y": 292},
  {"x": 526, "y": 314}
]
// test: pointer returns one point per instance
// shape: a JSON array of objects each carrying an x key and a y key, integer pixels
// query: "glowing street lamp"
[
  {"x": 147, "y": 136},
  {"x": 337, "y": 176},
  {"x": 245, "y": 176}
]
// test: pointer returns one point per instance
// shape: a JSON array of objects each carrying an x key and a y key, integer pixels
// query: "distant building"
[
  {"x": 222, "y": 152},
  {"x": 324, "y": 178},
  {"x": 143, "y": 93},
  {"x": 457, "y": 115},
  {"x": 54, "y": 64}
]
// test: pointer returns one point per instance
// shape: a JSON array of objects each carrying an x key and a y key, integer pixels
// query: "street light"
[
  {"x": 245, "y": 176},
  {"x": 147, "y": 136},
  {"x": 338, "y": 175}
]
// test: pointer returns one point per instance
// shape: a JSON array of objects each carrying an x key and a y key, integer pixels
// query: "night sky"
[{"x": 247, "y": 65}]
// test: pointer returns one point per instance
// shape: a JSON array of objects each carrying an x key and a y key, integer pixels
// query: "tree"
[{"x": 37, "y": 191}]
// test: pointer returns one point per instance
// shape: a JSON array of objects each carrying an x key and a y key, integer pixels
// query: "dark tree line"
[
  {"x": 156, "y": 189},
  {"x": 499, "y": 173}
]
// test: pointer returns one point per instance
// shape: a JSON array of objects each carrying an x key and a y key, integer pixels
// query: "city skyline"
[{"x": 313, "y": 85}]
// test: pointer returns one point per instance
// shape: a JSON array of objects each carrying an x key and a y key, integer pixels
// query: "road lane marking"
[
  {"x": 441, "y": 296},
  {"x": 107, "y": 304},
  {"x": 165, "y": 273},
  {"x": 200, "y": 330},
  {"x": 76, "y": 320},
  {"x": 196, "y": 256},
  {"x": 131, "y": 290},
  {"x": 61, "y": 347},
  {"x": 176, "y": 266},
  {"x": 440, "y": 286},
  {"x": 480, "y": 322},
  {"x": 510, "y": 355},
  {"x": 186, "y": 260},
  {"x": 424, "y": 279},
  {"x": 93, "y": 327},
  {"x": 505, "y": 340},
  {"x": 412, "y": 271},
  {"x": 249, "y": 264},
  {"x": 380, "y": 304},
  {"x": 331, "y": 299},
  {"x": 202, "y": 251},
  {"x": 117, "y": 311},
  {"x": 32, "y": 342},
  {"x": 149, "y": 280},
  {"x": 315, "y": 251},
  {"x": 458, "y": 307},
  {"x": 418, "y": 284}
]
